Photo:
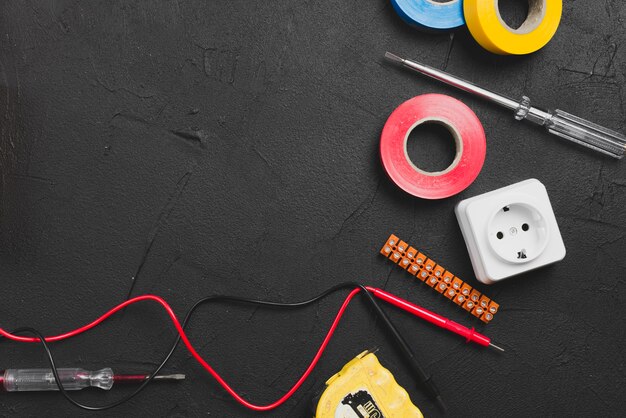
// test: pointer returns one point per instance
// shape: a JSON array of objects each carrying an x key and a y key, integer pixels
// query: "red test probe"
[{"x": 468, "y": 333}]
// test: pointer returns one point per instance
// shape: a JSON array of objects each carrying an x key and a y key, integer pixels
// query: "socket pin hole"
[
  {"x": 506, "y": 209},
  {"x": 525, "y": 227},
  {"x": 500, "y": 235}
]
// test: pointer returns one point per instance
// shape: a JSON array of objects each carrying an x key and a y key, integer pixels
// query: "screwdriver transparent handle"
[
  {"x": 587, "y": 134},
  {"x": 23, "y": 380}
]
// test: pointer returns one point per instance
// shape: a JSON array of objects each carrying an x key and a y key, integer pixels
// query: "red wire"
[{"x": 193, "y": 351}]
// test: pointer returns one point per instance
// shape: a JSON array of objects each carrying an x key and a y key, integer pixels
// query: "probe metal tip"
[
  {"x": 394, "y": 58},
  {"x": 177, "y": 376},
  {"x": 496, "y": 347}
]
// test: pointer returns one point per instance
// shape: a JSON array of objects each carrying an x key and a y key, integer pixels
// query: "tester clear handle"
[
  {"x": 22, "y": 380},
  {"x": 573, "y": 128},
  {"x": 587, "y": 134}
]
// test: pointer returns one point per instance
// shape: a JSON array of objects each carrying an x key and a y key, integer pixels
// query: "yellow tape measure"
[{"x": 365, "y": 389}]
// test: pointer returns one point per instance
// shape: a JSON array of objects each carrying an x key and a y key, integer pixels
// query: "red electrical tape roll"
[{"x": 464, "y": 126}]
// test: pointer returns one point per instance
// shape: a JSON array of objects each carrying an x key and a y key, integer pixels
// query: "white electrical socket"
[{"x": 510, "y": 231}]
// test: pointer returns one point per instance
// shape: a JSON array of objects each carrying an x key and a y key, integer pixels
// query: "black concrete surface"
[{"x": 231, "y": 147}]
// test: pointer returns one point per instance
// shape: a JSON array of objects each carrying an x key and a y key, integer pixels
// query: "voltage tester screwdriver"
[
  {"x": 559, "y": 123},
  {"x": 29, "y": 380}
]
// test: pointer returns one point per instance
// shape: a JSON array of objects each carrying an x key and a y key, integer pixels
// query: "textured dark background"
[{"x": 231, "y": 147}]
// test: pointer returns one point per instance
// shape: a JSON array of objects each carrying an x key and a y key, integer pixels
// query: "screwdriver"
[
  {"x": 28, "y": 380},
  {"x": 558, "y": 123}
]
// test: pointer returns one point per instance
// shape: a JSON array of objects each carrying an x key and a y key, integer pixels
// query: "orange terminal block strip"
[{"x": 441, "y": 280}]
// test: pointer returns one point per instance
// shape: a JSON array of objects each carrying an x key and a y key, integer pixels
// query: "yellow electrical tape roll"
[{"x": 492, "y": 33}]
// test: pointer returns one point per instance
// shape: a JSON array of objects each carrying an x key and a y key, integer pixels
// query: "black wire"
[{"x": 214, "y": 298}]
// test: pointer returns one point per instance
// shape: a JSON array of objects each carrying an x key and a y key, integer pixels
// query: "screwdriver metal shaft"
[{"x": 559, "y": 123}]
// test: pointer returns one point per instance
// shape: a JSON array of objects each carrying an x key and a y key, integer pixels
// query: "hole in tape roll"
[
  {"x": 431, "y": 147},
  {"x": 521, "y": 16}
]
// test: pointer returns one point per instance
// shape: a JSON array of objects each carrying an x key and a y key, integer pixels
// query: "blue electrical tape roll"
[{"x": 430, "y": 15}]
